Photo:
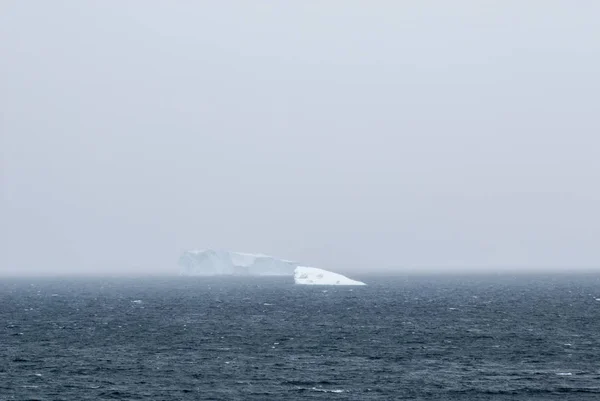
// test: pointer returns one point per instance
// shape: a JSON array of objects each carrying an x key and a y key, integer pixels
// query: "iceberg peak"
[{"x": 212, "y": 262}]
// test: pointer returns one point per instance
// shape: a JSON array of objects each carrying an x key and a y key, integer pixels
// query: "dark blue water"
[{"x": 428, "y": 338}]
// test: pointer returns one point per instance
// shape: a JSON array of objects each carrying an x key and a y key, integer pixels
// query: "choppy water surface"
[{"x": 428, "y": 338}]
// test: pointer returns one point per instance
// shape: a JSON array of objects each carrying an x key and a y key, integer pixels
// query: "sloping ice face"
[
  {"x": 313, "y": 276},
  {"x": 227, "y": 263}
]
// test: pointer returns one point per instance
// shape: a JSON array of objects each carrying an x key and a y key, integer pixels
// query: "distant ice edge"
[{"x": 312, "y": 276}]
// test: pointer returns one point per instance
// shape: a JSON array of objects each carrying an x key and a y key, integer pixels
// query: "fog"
[{"x": 349, "y": 135}]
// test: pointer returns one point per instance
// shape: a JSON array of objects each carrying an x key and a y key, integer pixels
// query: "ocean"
[{"x": 501, "y": 337}]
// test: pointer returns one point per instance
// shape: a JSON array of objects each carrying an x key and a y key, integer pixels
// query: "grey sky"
[{"x": 344, "y": 134}]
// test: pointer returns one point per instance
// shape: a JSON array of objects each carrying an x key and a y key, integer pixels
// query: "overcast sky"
[{"x": 343, "y": 134}]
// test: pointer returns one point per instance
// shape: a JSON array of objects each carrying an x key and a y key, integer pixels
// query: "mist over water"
[
  {"x": 349, "y": 137},
  {"x": 446, "y": 156}
]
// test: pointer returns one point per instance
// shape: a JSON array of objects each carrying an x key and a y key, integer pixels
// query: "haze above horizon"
[{"x": 347, "y": 136}]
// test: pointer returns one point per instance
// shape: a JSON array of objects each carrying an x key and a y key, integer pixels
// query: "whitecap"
[{"x": 324, "y": 390}]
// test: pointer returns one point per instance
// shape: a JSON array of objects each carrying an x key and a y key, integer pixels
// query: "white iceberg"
[
  {"x": 227, "y": 263},
  {"x": 313, "y": 276},
  {"x": 212, "y": 262}
]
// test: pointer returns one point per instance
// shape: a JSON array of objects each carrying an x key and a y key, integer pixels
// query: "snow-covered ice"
[
  {"x": 313, "y": 276},
  {"x": 212, "y": 262}
]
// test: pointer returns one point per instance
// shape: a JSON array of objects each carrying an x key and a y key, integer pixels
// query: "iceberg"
[
  {"x": 212, "y": 262},
  {"x": 313, "y": 276}
]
